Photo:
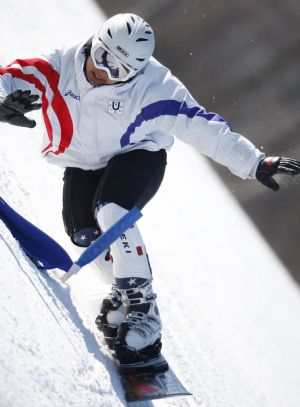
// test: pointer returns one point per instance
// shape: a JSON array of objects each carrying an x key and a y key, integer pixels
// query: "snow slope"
[
  {"x": 46, "y": 359},
  {"x": 230, "y": 310}
]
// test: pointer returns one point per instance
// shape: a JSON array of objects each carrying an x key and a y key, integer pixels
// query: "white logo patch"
[{"x": 116, "y": 106}]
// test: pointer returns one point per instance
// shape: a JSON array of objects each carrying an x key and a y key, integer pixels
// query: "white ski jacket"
[{"x": 86, "y": 125}]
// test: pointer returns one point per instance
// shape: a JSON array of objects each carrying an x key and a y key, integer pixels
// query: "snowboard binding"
[
  {"x": 135, "y": 358},
  {"x": 104, "y": 323}
]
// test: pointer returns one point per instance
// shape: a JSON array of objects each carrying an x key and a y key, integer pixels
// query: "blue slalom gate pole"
[{"x": 103, "y": 242}]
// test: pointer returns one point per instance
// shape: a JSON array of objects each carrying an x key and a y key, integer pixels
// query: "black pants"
[{"x": 130, "y": 179}]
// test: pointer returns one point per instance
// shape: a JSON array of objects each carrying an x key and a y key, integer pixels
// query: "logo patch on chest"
[{"x": 116, "y": 106}]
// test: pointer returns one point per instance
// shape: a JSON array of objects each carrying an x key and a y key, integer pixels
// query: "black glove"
[
  {"x": 270, "y": 166},
  {"x": 15, "y": 105}
]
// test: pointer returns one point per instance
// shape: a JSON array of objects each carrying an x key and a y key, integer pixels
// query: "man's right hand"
[{"x": 15, "y": 105}]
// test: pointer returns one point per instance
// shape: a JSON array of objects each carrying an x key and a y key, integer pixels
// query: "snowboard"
[
  {"x": 146, "y": 381},
  {"x": 152, "y": 385}
]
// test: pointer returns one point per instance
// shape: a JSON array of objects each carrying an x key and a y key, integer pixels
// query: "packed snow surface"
[{"x": 231, "y": 313}]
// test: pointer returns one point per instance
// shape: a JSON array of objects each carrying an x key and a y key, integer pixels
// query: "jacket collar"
[{"x": 79, "y": 61}]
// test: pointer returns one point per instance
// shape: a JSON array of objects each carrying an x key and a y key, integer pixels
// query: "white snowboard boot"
[{"x": 139, "y": 337}]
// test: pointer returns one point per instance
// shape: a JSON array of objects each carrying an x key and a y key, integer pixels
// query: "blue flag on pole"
[
  {"x": 46, "y": 253},
  {"x": 38, "y": 246}
]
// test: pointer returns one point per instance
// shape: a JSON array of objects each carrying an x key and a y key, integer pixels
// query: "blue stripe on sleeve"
[{"x": 168, "y": 108}]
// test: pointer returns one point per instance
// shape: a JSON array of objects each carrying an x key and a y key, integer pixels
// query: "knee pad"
[
  {"x": 84, "y": 237},
  {"x": 102, "y": 264}
]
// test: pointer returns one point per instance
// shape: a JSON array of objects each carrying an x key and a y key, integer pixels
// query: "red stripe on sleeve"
[{"x": 58, "y": 103}]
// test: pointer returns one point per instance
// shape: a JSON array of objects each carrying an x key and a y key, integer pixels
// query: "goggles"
[{"x": 114, "y": 68}]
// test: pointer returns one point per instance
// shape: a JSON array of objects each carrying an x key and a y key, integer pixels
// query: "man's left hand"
[{"x": 270, "y": 166}]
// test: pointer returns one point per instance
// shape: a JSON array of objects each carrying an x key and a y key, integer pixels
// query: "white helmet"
[{"x": 127, "y": 37}]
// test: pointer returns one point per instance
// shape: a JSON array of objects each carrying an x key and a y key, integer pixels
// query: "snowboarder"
[{"x": 111, "y": 111}]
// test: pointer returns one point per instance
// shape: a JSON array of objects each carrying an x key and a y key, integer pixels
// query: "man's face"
[{"x": 96, "y": 76}]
